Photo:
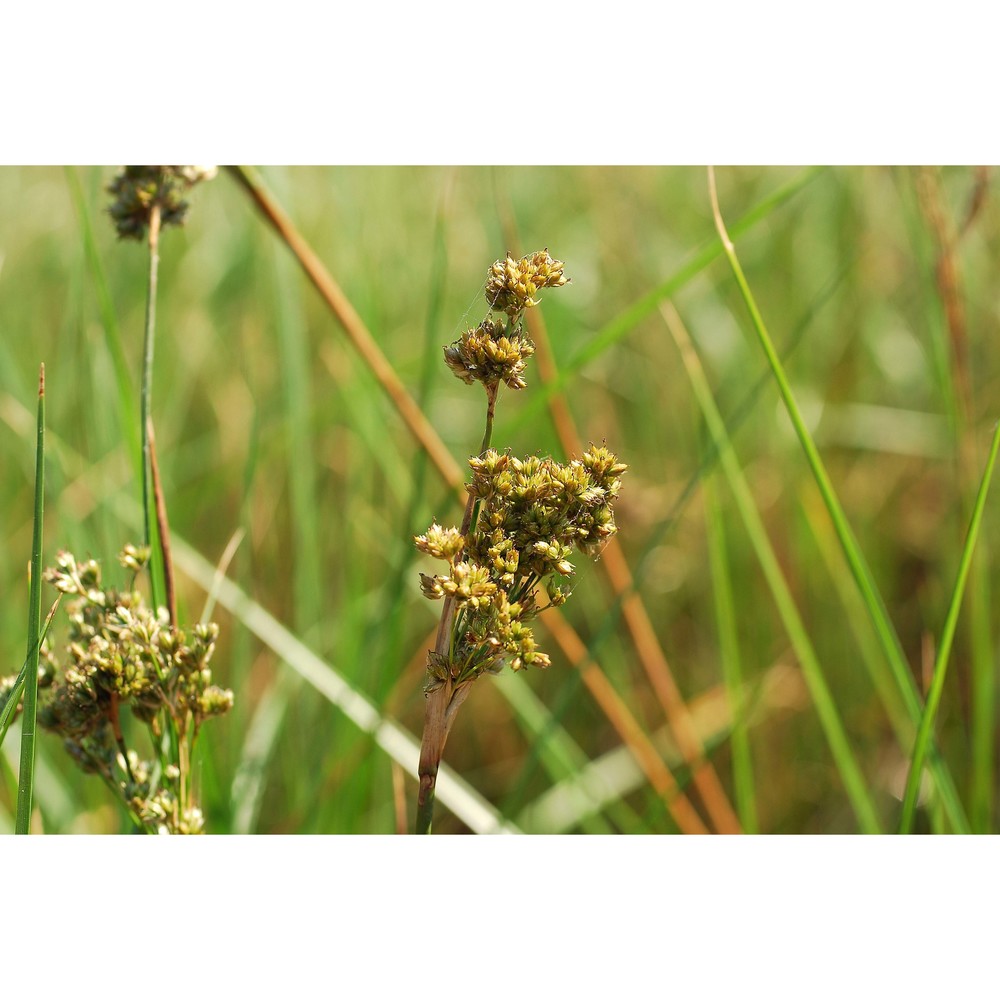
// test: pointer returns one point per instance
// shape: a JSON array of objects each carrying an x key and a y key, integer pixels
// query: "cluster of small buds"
[
  {"x": 497, "y": 351},
  {"x": 137, "y": 189},
  {"x": 486, "y": 354},
  {"x": 121, "y": 653},
  {"x": 159, "y": 814},
  {"x": 512, "y": 284},
  {"x": 532, "y": 514},
  {"x": 134, "y": 557}
]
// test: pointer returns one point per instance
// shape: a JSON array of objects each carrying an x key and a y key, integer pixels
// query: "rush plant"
[
  {"x": 523, "y": 520},
  {"x": 122, "y": 652}
]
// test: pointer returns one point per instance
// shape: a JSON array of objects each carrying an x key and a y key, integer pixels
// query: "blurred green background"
[{"x": 268, "y": 423}]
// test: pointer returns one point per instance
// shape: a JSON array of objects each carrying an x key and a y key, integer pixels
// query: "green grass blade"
[
  {"x": 26, "y": 772},
  {"x": 931, "y": 305},
  {"x": 857, "y": 620},
  {"x": 297, "y": 404},
  {"x": 10, "y": 706},
  {"x": 127, "y": 414},
  {"x": 944, "y": 647},
  {"x": 859, "y": 568},
  {"x": 258, "y": 751},
  {"x": 826, "y": 709},
  {"x": 984, "y": 688},
  {"x": 729, "y": 652},
  {"x": 604, "y": 782},
  {"x": 647, "y": 305},
  {"x": 561, "y": 756}
]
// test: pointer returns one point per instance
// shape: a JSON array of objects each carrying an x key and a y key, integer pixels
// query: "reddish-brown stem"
[{"x": 704, "y": 777}]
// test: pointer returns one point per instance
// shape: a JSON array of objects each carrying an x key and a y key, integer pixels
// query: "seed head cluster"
[
  {"x": 137, "y": 189},
  {"x": 122, "y": 653},
  {"x": 512, "y": 284},
  {"x": 533, "y": 514},
  {"x": 497, "y": 350}
]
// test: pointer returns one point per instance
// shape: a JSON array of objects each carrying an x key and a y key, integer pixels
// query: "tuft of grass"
[{"x": 862, "y": 574}]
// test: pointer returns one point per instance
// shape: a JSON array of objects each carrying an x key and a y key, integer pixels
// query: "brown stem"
[
  {"x": 355, "y": 329},
  {"x": 147, "y": 362},
  {"x": 615, "y": 566},
  {"x": 646, "y": 755},
  {"x": 947, "y": 277},
  {"x": 431, "y": 750},
  {"x": 977, "y": 199}
]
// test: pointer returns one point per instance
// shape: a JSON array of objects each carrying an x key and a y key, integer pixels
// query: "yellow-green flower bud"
[
  {"x": 440, "y": 543},
  {"x": 511, "y": 285}
]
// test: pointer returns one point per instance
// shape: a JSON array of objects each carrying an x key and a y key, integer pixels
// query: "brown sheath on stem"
[
  {"x": 439, "y": 714},
  {"x": 444, "y": 702}
]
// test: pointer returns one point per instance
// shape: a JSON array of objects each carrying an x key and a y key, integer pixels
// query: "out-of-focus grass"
[{"x": 267, "y": 422}]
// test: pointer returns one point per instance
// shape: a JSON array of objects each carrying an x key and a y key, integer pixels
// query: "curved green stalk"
[
  {"x": 944, "y": 648},
  {"x": 729, "y": 654},
  {"x": 9, "y": 709},
  {"x": 26, "y": 771},
  {"x": 826, "y": 709}
]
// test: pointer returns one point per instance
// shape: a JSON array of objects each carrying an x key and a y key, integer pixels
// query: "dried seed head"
[
  {"x": 137, "y": 189},
  {"x": 490, "y": 354},
  {"x": 511, "y": 285}
]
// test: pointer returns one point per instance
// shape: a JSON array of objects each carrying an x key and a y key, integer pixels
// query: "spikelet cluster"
[
  {"x": 137, "y": 189},
  {"x": 121, "y": 654},
  {"x": 497, "y": 350},
  {"x": 533, "y": 514},
  {"x": 511, "y": 285}
]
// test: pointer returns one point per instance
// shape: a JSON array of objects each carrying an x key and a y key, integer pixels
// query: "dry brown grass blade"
[
  {"x": 947, "y": 274},
  {"x": 646, "y": 755},
  {"x": 613, "y": 775},
  {"x": 355, "y": 329},
  {"x": 660, "y": 776},
  {"x": 651, "y": 655}
]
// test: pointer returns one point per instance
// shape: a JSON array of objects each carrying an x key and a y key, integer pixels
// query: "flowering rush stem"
[
  {"x": 522, "y": 522},
  {"x": 444, "y": 703},
  {"x": 146, "y": 391}
]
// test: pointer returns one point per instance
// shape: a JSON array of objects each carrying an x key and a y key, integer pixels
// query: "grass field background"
[{"x": 878, "y": 286}]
